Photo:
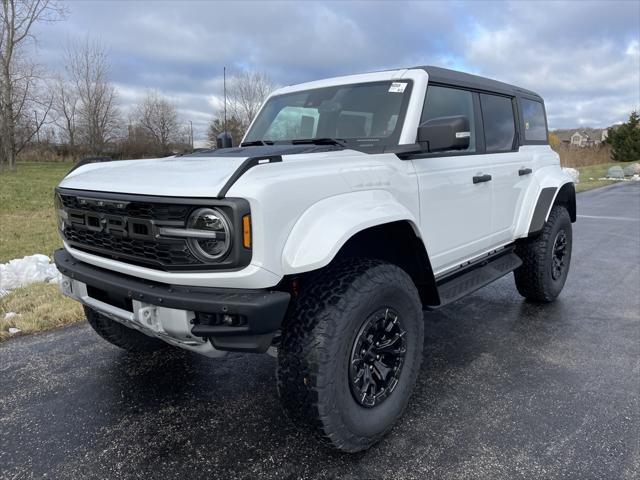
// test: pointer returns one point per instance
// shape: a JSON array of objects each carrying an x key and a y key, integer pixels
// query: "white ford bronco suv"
[{"x": 351, "y": 205}]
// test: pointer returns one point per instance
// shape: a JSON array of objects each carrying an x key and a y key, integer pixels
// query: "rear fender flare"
[{"x": 550, "y": 186}]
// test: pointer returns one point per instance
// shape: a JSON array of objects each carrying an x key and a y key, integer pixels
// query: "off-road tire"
[
  {"x": 317, "y": 341},
  {"x": 534, "y": 278},
  {"x": 121, "y": 336}
]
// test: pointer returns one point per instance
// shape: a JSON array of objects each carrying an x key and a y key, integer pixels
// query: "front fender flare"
[{"x": 322, "y": 230}]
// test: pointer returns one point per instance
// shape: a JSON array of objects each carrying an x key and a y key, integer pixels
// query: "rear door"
[
  {"x": 455, "y": 212},
  {"x": 502, "y": 153}
]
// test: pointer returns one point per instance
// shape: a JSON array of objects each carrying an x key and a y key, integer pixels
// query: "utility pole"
[{"x": 191, "y": 133}]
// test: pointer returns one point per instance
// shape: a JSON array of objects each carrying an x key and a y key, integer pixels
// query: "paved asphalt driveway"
[{"x": 507, "y": 390}]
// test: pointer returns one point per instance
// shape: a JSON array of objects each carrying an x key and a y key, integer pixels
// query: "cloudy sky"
[{"x": 582, "y": 57}]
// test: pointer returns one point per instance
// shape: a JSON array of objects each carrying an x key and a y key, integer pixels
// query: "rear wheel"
[
  {"x": 121, "y": 336},
  {"x": 546, "y": 259},
  {"x": 351, "y": 352}
]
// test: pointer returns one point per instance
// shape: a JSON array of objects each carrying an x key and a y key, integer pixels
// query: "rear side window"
[
  {"x": 449, "y": 102},
  {"x": 498, "y": 121},
  {"x": 535, "y": 125}
]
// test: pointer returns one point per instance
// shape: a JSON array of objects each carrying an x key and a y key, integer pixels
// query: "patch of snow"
[
  {"x": 615, "y": 179},
  {"x": 13, "y": 330},
  {"x": 9, "y": 315},
  {"x": 24, "y": 271},
  {"x": 575, "y": 174}
]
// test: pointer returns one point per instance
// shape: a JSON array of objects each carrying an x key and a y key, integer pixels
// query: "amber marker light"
[{"x": 246, "y": 231}]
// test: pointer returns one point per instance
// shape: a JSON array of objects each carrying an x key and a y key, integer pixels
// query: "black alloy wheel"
[
  {"x": 558, "y": 254},
  {"x": 377, "y": 358}
]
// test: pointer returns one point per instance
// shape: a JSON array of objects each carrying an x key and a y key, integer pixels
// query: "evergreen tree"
[{"x": 625, "y": 140}]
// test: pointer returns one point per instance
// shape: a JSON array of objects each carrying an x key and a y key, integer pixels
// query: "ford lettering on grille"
[{"x": 116, "y": 225}]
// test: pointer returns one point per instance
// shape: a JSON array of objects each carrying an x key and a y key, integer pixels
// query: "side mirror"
[
  {"x": 224, "y": 140},
  {"x": 445, "y": 133}
]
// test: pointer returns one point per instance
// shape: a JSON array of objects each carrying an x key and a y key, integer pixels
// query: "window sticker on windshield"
[{"x": 397, "y": 87}]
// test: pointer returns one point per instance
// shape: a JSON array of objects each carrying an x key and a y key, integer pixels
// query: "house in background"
[
  {"x": 581, "y": 139},
  {"x": 587, "y": 137}
]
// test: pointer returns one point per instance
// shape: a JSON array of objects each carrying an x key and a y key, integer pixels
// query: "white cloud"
[
  {"x": 582, "y": 57},
  {"x": 588, "y": 79}
]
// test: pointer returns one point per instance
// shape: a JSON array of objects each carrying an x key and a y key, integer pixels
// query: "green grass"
[
  {"x": 27, "y": 220},
  {"x": 40, "y": 306},
  {"x": 27, "y": 226},
  {"x": 590, "y": 175}
]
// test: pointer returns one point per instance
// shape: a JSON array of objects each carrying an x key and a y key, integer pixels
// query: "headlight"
[{"x": 215, "y": 239}]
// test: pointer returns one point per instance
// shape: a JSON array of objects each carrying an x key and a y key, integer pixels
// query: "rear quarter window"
[{"x": 535, "y": 124}]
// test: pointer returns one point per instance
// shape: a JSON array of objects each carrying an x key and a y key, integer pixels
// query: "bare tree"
[
  {"x": 19, "y": 77},
  {"x": 245, "y": 94},
  {"x": 31, "y": 106},
  {"x": 65, "y": 104},
  {"x": 98, "y": 116},
  {"x": 159, "y": 118}
]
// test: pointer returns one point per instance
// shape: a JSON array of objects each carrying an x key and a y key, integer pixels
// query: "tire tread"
[
  {"x": 307, "y": 333},
  {"x": 532, "y": 278}
]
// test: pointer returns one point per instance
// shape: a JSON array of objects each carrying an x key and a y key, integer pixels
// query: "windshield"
[{"x": 358, "y": 115}]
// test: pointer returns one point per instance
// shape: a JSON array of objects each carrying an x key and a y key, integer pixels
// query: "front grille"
[
  {"x": 156, "y": 254},
  {"x": 139, "y": 245},
  {"x": 127, "y": 228}
]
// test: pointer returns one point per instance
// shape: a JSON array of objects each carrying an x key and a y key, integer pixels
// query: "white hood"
[{"x": 170, "y": 176}]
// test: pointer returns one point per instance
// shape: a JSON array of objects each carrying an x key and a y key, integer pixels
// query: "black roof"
[{"x": 461, "y": 79}]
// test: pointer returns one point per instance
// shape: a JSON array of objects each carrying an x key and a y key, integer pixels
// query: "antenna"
[
  {"x": 224, "y": 139},
  {"x": 224, "y": 87}
]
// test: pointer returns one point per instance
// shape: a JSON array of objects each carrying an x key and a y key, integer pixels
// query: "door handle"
[
  {"x": 482, "y": 178},
  {"x": 524, "y": 171}
]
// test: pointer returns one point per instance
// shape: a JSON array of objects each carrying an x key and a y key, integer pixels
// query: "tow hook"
[{"x": 148, "y": 316}]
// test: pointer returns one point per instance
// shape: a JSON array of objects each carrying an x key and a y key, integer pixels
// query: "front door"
[{"x": 455, "y": 188}]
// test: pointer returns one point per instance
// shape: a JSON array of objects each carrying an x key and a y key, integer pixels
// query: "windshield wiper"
[
  {"x": 256, "y": 143},
  {"x": 320, "y": 141}
]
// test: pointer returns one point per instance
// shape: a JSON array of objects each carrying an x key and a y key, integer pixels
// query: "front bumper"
[{"x": 188, "y": 317}]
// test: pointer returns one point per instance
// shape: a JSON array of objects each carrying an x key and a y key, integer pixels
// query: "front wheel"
[
  {"x": 546, "y": 259},
  {"x": 351, "y": 352}
]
